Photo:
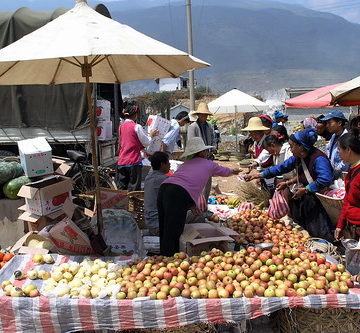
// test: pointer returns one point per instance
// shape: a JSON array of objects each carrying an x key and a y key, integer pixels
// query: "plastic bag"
[
  {"x": 202, "y": 203},
  {"x": 352, "y": 256},
  {"x": 245, "y": 206},
  {"x": 121, "y": 232},
  {"x": 279, "y": 207}
]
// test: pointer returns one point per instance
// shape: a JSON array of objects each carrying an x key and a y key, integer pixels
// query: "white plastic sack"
[{"x": 121, "y": 232}]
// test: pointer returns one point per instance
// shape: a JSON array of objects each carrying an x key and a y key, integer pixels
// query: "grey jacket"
[{"x": 194, "y": 131}]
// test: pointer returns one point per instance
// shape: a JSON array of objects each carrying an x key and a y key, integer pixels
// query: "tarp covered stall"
[{"x": 58, "y": 112}]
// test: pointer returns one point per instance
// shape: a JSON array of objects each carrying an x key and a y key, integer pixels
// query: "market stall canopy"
[
  {"x": 346, "y": 94},
  {"x": 235, "y": 101},
  {"x": 116, "y": 53},
  {"x": 83, "y": 46},
  {"x": 312, "y": 99}
]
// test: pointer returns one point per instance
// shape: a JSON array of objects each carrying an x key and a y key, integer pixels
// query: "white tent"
[{"x": 236, "y": 101}]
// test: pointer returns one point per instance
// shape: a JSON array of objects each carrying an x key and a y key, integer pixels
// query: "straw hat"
[
  {"x": 255, "y": 124},
  {"x": 195, "y": 145},
  {"x": 203, "y": 109}
]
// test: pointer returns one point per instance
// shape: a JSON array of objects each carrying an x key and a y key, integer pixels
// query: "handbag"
[{"x": 279, "y": 206}]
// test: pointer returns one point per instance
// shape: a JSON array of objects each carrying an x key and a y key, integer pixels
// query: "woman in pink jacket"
[{"x": 180, "y": 192}]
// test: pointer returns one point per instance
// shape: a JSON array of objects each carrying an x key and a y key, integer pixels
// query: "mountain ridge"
[{"x": 252, "y": 45}]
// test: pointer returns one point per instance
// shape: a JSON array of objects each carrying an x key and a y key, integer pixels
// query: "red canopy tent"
[{"x": 318, "y": 98}]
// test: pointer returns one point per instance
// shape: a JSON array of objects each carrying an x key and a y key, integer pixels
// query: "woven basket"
[
  {"x": 193, "y": 328},
  {"x": 329, "y": 320},
  {"x": 332, "y": 206},
  {"x": 136, "y": 206}
]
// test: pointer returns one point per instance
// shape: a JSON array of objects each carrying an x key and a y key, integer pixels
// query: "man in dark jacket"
[{"x": 203, "y": 129}]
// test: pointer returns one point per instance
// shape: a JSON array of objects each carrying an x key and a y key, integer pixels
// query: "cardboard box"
[
  {"x": 35, "y": 157},
  {"x": 31, "y": 243},
  {"x": 69, "y": 239},
  {"x": 37, "y": 223},
  {"x": 46, "y": 195},
  {"x": 60, "y": 166},
  {"x": 198, "y": 237},
  {"x": 158, "y": 123},
  {"x": 112, "y": 199},
  {"x": 104, "y": 130},
  {"x": 103, "y": 110}
]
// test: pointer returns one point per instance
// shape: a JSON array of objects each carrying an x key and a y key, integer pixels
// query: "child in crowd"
[{"x": 161, "y": 166}]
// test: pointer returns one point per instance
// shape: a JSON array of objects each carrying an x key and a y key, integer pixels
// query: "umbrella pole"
[
  {"x": 86, "y": 68},
  {"x": 236, "y": 131}
]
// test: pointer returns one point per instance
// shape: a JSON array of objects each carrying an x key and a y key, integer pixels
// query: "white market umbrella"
[
  {"x": 83, "y": 46},
  {"x": 236, "y": 101}
]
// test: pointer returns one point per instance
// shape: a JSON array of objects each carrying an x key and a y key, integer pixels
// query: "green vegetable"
[
  {"x": 12, "y": 187},
  {"x": 6, "y": 172},
  {"x": 17, "y": 168}
]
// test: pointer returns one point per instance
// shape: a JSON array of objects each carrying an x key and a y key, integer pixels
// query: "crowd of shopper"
[{"x": 292, "y": 163}]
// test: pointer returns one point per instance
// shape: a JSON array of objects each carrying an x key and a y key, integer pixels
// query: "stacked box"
[{"x": 36, "y": 157}]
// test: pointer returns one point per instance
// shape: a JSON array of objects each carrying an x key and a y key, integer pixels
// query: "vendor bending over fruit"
[
  {"x": 314, "y": 173},
  {"x": 180, "y": 192}
]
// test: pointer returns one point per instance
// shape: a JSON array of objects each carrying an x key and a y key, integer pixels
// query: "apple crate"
[{"x": 307, "y": 320}]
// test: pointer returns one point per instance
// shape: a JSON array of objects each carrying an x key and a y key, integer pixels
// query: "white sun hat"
[{"x": 195, "y": 145}]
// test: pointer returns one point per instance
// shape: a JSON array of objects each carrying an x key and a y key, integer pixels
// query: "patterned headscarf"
[{"x": 310, "y": 122}]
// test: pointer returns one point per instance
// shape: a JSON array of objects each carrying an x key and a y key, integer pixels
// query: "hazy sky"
[{"x": 349, "y": 9}]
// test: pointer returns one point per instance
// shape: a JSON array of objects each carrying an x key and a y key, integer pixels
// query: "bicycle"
[{"x": 82, "y": 174}]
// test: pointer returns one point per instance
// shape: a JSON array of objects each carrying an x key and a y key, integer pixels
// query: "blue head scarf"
[
  {"x": 279, "y": 114},
  {"x": 306, "y": 138}
]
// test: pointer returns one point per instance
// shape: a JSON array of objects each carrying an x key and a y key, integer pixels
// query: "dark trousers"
[
  {"x": 129, "y": 178},
  {"x": 311, "y": 215},
  {"x": 173, "y": 203}
]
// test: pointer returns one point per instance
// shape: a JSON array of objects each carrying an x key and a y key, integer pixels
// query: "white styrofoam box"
[
  {"x": 104, "y": 130},
  {"x": 102, "y": 110},
  {"x": 154, "y": 146},
  {"x": 158, "y": 123},
  {"x": 35, "y": 157}
]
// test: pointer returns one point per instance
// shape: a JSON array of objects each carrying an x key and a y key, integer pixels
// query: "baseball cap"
[{"x": 334, "y": 114}]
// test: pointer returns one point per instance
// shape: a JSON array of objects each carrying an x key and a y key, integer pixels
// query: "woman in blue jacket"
[{"x": 314, "y": 174}]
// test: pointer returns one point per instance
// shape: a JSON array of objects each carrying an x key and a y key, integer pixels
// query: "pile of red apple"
[
  {"x": 255, "y": 226},
  {"x": 246, "y": 273}
]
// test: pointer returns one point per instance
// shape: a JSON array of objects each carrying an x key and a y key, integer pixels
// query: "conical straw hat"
[
  {"x": 203, "y": 109},
  {"x": 255, "y": 124},
  {"x": 195, "y": 145}
]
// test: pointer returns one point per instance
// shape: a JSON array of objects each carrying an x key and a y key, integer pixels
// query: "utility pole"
[{"x": 190, "y": 51}]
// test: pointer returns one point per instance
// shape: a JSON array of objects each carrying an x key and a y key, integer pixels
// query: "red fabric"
[
  {"x": 351, "y": 209},
  {"x": 257, "y": 150},
  {"x": 130, "y": 144},
  {"x": 311, "y": 99}
]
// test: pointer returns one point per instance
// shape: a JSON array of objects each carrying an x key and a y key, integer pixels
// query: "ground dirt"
[{"x": 227, "y": 184}]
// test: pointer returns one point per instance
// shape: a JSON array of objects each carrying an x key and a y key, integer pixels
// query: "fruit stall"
[{"x": 47, "y": 293}]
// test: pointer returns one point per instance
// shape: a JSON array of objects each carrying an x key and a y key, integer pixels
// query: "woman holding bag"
[{"x": 314, "y": 174}]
